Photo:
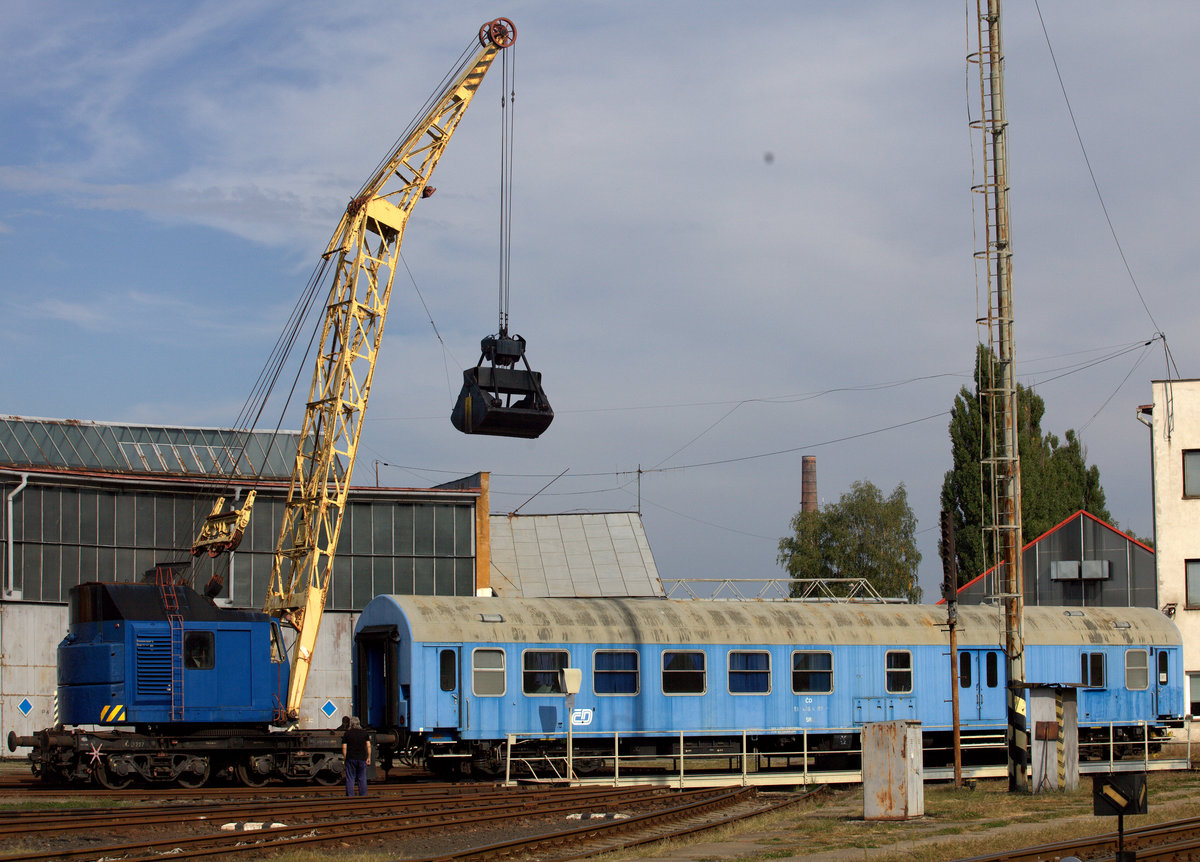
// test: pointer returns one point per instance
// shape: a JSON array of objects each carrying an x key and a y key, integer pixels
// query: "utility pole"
[
  {"x": 998, "y": 389},
  {"x": 950, "y": 594}
]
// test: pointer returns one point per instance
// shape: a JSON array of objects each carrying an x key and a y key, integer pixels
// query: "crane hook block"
[
  {"x": 500, "y": 399},
  {"x": 500, "y": 33}
]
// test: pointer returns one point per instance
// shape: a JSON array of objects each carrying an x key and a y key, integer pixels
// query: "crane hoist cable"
[
  {"x": 498, "y": 398},
  {"x": 508, "y": 97}
]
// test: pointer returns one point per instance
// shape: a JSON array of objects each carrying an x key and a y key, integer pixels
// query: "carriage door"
[
  {"x": 980, "y": 685},
  {"x": 447, "y": 699},
  {"x": 1161, "y": 668},
  {"x": 377, "y": 682}
]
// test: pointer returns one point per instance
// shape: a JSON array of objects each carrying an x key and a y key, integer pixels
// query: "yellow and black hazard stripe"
[{"x": 112, "y": 714}]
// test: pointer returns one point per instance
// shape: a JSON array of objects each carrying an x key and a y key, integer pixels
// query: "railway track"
[
  {"x": 680, "y": 821},
  {"x": 1173, "y": 841},
  {"x": 452, "y": 823},
  {"x": 27, "y": 785}
]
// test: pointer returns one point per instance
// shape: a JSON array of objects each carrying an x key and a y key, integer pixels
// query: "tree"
[
  {"x": 1056, "y": 481},
  {"x": 863, "y": 535}
]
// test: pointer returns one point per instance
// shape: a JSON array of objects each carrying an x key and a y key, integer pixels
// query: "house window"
[
  {"x": 749, "y": 672},
  {"x": 541, "y": 671},
  {"x": 683, "y": 673},
  {"x": 1191, "y": 472},
  {"x": 1191, "y": 570},
  {"x": 812, "y": 672},
  {"x": 1193, "y": 694},
  {"x": 615, "y": 671},
  {"x": 1091, "y": 669},
  {"x": 487, "y": 672},
  {"x": 899, "y": 672},
  {"x": 1137, "y": 669}
]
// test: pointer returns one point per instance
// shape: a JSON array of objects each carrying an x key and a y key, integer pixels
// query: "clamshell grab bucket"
[{"x": 503, "y": 402}]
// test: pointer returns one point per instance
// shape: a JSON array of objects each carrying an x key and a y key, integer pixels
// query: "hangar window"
[
  {"x": 487, "y": 672},
  {"x": 683, "y": 673},
  {"x": 749, "y": 672},
  {"x": 899, "y": 672},
  {"x": 1137, "y": 669},
  {"x": 812, "y": 672},
  {"x": 1091, "y": 669},
  {"x": 615, "y": 671},
  {"x": 198, "y": 650},
  {"x": 541, "y": 671}
]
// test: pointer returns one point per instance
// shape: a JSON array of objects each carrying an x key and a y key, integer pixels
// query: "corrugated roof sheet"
[
  {"x": 148, "y": 449},
  {"x": 573, "y": 555}
]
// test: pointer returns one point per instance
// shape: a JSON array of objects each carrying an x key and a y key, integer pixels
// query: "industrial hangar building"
[{"x": 89, "y": 501}]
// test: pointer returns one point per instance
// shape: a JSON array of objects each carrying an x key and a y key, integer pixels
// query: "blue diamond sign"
[
  {"x": 25, "y": 706},
  {"x": 329, "y": 708}
]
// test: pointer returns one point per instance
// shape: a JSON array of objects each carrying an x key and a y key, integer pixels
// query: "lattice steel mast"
[{"x": 998, "y": 388}]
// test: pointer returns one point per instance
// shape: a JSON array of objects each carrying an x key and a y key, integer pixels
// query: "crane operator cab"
[{"x": 500, "y": 399}]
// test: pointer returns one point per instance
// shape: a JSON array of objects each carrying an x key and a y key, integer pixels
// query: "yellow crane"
[{"x": 366, "y": 245}]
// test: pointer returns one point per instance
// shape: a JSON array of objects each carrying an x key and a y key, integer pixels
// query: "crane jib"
[{"x": 355, "y": 314}]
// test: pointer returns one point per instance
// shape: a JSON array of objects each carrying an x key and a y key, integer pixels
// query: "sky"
[{"x": 741, "y": 234}]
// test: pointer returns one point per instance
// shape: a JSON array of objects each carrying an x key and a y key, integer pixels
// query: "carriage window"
[
  {"x": 964, "y": 670},
  {"x": 683, "y": 673},
  {"x": 749, "y": 672},
  {"x": 615, "y": 671},
  {"x": 540, "y": 671},
  {"x": 447, "y": 670},
  {"x": 1163, "y": 667},
  {"x": 812, "y": 672},
  {"x": 992, "y": 670},
  {"x": 198, "y": 650},
  {"x": 1137, "y": 669},
  {"x": 487, "y": 672},
  {"x": 1091, "y": 669},
  {"x": 899, "y": 672}
]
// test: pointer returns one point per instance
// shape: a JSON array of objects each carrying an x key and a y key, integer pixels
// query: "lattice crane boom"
[{"x": 366, "y": 245}]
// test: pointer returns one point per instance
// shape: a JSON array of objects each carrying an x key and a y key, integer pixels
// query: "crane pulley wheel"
[{"x": 500, "y": 33}]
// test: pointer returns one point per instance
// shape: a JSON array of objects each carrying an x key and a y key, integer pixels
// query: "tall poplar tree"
[{"x": 1056, "y": 481}]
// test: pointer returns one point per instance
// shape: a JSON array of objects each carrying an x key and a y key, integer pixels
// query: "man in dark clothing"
[{"x": 356, "y": 754}]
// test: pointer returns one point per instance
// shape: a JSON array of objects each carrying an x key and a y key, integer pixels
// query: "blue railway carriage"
[{"x": 450, "y": 677}]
